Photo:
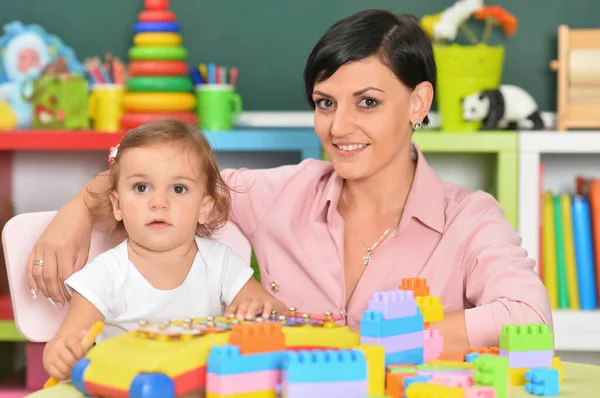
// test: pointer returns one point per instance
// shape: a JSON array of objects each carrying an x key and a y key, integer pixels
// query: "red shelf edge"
[{"x": 57, "y": 140}]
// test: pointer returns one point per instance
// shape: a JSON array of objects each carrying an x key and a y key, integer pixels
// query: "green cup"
[{"x": 218, "y": 105}]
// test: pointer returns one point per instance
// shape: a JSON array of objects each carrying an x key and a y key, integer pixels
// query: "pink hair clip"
[{"x": 112, "y": 155}]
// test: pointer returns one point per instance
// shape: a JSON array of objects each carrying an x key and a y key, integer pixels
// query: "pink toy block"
[
  {"x": 242, "y": 382},
  {"x": 480, "y": 392},
  {"x": 453, "y": 380},
  {"x": 36, "y": 375},
  {"x": 394, "y": 303},
  {"x": 434, "y": 342},
  {"x": 430, "y": 356}
]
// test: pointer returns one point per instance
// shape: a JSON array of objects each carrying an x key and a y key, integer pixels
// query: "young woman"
[{"x": 329, "y": 234}]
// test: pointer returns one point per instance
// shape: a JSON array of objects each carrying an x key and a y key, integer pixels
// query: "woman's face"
[{"x": 363, "y": 117}]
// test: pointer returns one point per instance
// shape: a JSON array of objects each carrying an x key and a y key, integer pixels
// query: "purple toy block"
[
  {"x": 400, "y": 342},
  {"x": 346, "y": 389},
  {"x": 528, "y": 359},
  {"x": 394, "y": 303}
]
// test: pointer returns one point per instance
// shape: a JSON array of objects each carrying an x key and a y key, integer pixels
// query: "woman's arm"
[{"x": 501, "y": 281}]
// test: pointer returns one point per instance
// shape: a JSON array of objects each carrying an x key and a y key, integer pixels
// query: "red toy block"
[
  {"x": 255, "y": 338},
  {"x": 417, "y": 285},
  {"x": 156, "y": 4}
]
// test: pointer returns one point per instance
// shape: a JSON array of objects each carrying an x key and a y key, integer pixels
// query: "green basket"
[{"x": 461, "y": 71}]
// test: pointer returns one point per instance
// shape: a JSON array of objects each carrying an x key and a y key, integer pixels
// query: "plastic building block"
[
  {"x": 394, "y": 304},
  {"x": 433, "y": 341},
  {"x": 542, "y": 381},
  {"x": 450, "y": 364},
  {"x": 254, "y": 338},
  {"x": 324, "y": 366},
  {"x": 401, "y": 367},
  {"x": 414, "y": 357},
  {"x": 453, "y": 379},
  {"x": 480, "y": 392},
  {"x": 452, "y": 356},
  {"x": 227, "y": 360},
  {"x": 469, "y": 358},
  {"x": 485, "y": 350},
  {"x": 528, "y": 359},
  {"x": 417, "y": 285},
  {"x": 321, "y": 337},
  {"x": 373, "y": 325},
  {"x": 375, "y": 357},
  {"x": 431, "y": 308},
  {"x": 430, "y": 356},
  {"x": 492, "y": 371},
  {"x": 241, "y": 383},
  {"x": 394, "y": 383},
  {"x": 556, "y": 364},
  {"x": 415, "y": 379},
  {"x": 516, "y": 376},
  {"x": 534, "y": 337},
  {"x": 430, "y": 390},
  {"x": 349, "y": 389},
  {"x": 400, "y": 342}
]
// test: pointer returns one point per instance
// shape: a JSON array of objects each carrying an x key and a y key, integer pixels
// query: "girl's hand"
[
  {"x": 255, "y": 307},
  {"x": 60, "y": 355}
]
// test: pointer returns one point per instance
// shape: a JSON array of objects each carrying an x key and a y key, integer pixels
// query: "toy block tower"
[
  {"x": 250, "y": 363},
  {"x": 394, "y": 321},
  {"x": 159, "y": 83},
  {"x": 325, "y": 374},
  {"x": 492, "y": 371},
  {"x": 526, "y": 347}
]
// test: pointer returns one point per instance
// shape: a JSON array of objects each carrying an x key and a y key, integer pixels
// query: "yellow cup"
[{"x": 106, "y": 107}]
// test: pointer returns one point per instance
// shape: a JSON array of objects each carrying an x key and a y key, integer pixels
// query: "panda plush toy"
[{"x": 507, "y": 107}]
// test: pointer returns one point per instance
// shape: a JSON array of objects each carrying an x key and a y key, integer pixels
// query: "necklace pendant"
[{"x": 367, "y": 259}]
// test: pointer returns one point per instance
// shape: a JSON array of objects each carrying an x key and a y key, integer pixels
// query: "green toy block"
[
  {"x": 533, "y": 337},
  {"x": 492, "y": 371},
  {"x": 401, "y": 369}
]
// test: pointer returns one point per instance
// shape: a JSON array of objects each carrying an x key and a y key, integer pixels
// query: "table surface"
[{"x": 579, "y": 381}]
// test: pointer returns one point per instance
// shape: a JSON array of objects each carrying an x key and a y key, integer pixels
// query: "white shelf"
[
  {"x": 576, "y": 330},
  {"x": 560, "y": 142}
]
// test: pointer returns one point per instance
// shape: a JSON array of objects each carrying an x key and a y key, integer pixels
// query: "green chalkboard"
[{"x": 269, "y": 40}]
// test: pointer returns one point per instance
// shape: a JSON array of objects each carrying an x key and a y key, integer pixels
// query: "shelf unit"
[{"x": 574, "y": 330}]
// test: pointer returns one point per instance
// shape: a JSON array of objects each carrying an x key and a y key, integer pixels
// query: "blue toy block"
[
  {"x": 227, "y": 360},
  {"x": 324, "y": 366},
  {"x": 414, "y": 357},
  {"x": 415, "y": 379},
  {"x": 469, "y": 358},
  {"x": 394, "y": 304},
  {"x": 542, "y": 381},
  {"x": 374, "y": 325}
]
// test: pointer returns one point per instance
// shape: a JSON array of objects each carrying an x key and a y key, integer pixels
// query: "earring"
[{"x": 416, "y": 125}]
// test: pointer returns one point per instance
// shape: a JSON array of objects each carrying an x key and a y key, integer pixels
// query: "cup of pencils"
[
  {"x": 106, "y": 97},
  {"x": 218, "y": 104}
]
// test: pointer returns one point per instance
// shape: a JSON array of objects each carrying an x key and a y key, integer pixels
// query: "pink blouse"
[{"x": 459, "y": 241}]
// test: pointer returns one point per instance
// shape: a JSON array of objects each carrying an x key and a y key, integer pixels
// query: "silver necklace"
[{"x": 367, "y": 258}]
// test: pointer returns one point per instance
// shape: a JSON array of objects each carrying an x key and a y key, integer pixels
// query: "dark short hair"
[{"x": 398, "y": 40}]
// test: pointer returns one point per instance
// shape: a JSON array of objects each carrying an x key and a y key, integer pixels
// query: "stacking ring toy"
[
  {"x": 158, "y": 68},
  {"x": 158, "y": 52},
  {"x": 143, "y": 27},
  {"x": 157, "y": 39},
  {"x": 156, "y": 4},
  {"x": 156, "y": 16},
  {"x": 157, "y": 102},
  {"x": 132, "y": 120},
  {"x": 160, "y": 84}
]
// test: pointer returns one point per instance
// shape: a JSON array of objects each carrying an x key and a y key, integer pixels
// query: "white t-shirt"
[{"x": 118, "y": 290}]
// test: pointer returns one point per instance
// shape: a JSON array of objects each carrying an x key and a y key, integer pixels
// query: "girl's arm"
[
  {"x": 254, "y": 298},
  {"x": 81, "y": 315}
]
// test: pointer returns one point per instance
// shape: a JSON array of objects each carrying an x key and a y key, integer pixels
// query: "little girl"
[{"x": 168, "y": 197}]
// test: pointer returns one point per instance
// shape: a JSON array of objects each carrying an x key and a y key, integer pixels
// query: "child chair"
[{"x": 37, "y": 320}]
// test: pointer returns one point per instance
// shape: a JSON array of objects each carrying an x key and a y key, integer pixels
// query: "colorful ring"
[
  {"x": 143, "y": 27},
  {"x": 132, "y": 120},
  {"x": 159, "y": 102},
  {"x": 158, "y": 68},
  {"x": 157, "y": 39},
  {"x": 156, "y": 4},
  {"x": 173, "y": 84},
  {"x": 156, "y": 16},
  {"x": 157, "y": 52}
]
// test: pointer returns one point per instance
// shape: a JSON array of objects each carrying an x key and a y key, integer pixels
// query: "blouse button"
[{"x": 274, "y": 287}]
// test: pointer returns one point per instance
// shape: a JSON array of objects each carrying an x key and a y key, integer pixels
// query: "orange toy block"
[
  {"x": 255, "y": 338},
  {"x": 452, "y": 356},
  {"x": 485, "y": 350},
  {"x": 394, "y": 384},
  {"x": 417, "y": 285}
]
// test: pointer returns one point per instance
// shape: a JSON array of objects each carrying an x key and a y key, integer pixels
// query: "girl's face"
[
  {"x": 161, "y": 196},
  {"x": 364, "y": 116}
]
